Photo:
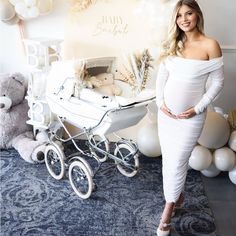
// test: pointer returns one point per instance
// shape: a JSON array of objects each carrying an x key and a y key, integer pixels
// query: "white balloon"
[
  {"x": 232, "y": 141},
  {"x": 201, "y": 158},
  {"x": 216, "y": 131},
  {"x": 21, "y": 8},
  {"x": 30, "y": 3},
  {"x": 13, "y": 21},
  {"x": 148, "y": 141},
  {"x": 224, "y": 159},
  {"x": 27, "y": 9},
  {"x": 7, "y": 11},
  {"x": 156, "y": 13},
  {"x": 211, "y": 171},
  {"x": 45, "y": 6},
  {"x": 232, "y": 175},
  {"x": 14, "y": 2},
  {"x": 33, "y": 12}
]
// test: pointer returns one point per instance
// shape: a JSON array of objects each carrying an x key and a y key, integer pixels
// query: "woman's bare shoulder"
[{"x": 212, "y": 47}]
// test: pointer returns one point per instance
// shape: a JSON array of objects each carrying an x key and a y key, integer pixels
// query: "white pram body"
[
  {"x": 104, "y": 114},
  {"x": 95, "y": 115},
  {"x": 84, "y": 114}
]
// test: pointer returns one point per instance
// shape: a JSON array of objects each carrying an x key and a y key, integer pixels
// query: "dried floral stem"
[
  {"x": 141, "y": 64},
  {"x": 80, "y": 5}
]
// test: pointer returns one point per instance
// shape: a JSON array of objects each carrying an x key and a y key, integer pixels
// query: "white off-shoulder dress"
[{"x": 181, "y": 84}]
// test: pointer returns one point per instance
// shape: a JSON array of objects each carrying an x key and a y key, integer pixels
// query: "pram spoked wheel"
[
  {"x": 80, "y": 179},
  {"x": 100, "y": 146},
  {"x": 129, "y": 162},
  {"x": 54, "y": 159}
]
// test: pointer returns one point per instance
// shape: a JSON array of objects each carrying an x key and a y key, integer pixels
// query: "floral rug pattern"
[{"x": 33, "y": 203}]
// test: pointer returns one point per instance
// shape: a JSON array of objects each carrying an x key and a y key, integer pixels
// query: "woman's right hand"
[{"x": 167, "y": 111}]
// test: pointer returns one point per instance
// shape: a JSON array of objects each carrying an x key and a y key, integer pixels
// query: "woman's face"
[{"x": 186, "y": 19}]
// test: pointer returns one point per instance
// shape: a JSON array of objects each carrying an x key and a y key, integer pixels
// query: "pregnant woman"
[{"x": 188, "y": 60}]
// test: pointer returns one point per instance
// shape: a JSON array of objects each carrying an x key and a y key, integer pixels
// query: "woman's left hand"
[{"x": 187, "y": 114}]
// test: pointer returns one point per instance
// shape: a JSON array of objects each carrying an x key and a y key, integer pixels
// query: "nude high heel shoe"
[{"x": 163, "y": 232}]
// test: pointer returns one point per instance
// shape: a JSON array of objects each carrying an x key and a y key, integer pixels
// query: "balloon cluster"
[
  {"x": 216, "y": 147},
  {"x": 157, "y": 14},
  {"x": 12, "y": 11}
]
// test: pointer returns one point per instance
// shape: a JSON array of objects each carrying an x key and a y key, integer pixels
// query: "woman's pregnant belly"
[{"x": 180, "y": 96}]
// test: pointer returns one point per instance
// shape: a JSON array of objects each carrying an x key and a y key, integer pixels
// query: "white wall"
[
  {"x": 220, "y": 21},
  {"x": 227, "y": 99},
  {"x": 219, "y": 15},
  {"x": 220, "y": 18}
]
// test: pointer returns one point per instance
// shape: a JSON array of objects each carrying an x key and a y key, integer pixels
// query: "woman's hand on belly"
[
  {"x": 167, "y": 111},
  {"x": 189, "y": 113}
]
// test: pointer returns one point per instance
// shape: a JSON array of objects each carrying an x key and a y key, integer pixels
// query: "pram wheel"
[
  {"x": 80, "y": 179},
  {"x": 100, "y": 146},
  {"x": 81, "y": 159},
  {"x": 54, "y": 159},
  {"x": 129, "y": 162}
]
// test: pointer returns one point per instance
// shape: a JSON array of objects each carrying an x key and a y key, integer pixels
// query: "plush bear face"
[
  {"x": 12, "y": 91},
  {"x": 104, "y": 83},
  {"x": 102, "y": 79},
  {"x": 105, "y": 78}
]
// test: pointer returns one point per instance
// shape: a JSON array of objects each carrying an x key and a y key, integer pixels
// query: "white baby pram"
[{"x": 95, "y": 116}]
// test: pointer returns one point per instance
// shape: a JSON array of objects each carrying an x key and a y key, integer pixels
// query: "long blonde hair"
[{"x": 174, "y": 43}]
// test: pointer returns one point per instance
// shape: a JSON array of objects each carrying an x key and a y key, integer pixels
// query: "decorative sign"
[
  {"x": 106, "y": 28},
  {"x": 113, "y": 25}
]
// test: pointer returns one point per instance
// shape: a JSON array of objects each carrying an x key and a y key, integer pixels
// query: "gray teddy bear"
[{"x": 14, "y": 131}]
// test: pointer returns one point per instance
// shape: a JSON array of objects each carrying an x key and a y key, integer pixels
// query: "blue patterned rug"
[{"x": 33, "y": 203}]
